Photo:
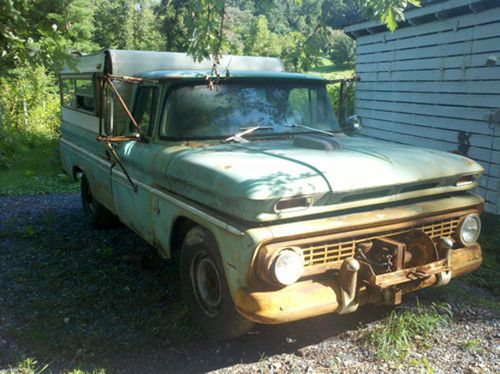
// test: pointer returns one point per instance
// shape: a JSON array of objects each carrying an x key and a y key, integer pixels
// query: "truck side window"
[{"x": 144, "y": 109}]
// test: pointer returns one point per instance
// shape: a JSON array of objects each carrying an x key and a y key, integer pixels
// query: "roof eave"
[{"x": 425, "y": 14}]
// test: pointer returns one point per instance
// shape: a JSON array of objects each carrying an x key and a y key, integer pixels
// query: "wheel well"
[
  {"x": 179, "y": 230},
  {"x": 77, "y": 172}
]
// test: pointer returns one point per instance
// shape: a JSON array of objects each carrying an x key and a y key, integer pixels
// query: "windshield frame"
[{"x": 172, "y": 86}]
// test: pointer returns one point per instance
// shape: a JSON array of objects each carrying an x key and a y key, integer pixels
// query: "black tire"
[
  {"x": 97, "y": 215},
  {"x": 205, "y": 290}
]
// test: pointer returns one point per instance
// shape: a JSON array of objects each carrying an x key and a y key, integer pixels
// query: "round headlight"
[
  {"x": 354, "y": 124},
  {"x": 288, "y": 267},
  {"x": 470, "y": 229}
]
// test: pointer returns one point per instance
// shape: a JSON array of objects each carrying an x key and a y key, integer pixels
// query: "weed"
[
  {"x": 473, "y": 345},
  {"x": 394, "y": 340},
  {"x": 29, "y": 231},
  {"x": 262, "y": 357},
  {"x": 423, "y": 363},
  {"x": 28, "y": 366}
]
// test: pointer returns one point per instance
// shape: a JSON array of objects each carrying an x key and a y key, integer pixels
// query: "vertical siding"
[{"x": 425, "y": 84}]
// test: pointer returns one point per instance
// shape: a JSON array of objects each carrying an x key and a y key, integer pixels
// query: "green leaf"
[{"x": 387, "y": 17}]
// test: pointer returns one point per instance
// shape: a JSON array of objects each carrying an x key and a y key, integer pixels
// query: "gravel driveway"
[{"x": 71, "y": 297}]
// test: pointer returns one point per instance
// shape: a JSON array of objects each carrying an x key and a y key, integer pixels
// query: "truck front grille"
[{"x": 328, "y": 252}]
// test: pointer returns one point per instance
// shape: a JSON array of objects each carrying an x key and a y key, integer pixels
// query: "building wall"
[{"x": 430, "y": 85}]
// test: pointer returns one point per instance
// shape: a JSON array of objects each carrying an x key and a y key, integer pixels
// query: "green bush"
[
  {"x": 30, "y": 112},
  {"x": 334, "y": 95},
  {"x": 29, "y": 132},
  {"x": 30, "y": 101},
  {"x": 342, "y": 50}
]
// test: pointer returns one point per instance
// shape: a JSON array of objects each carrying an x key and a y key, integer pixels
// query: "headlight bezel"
[
  {"x": 287, "y": 279},
  {"x": 464, "y": 222},
  {"x": 264, "y": 265}
]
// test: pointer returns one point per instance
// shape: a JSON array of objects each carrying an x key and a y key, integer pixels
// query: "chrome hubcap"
[{"x": 207, "y": 285}]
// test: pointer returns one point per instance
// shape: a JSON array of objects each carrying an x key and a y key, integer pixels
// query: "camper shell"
[{"x": 241, "y": 171}]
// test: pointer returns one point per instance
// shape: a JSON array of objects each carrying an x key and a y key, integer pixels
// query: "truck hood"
[{"x": 247, "y": 180}]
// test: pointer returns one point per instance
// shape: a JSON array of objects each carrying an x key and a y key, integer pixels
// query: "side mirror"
[{"x": 353, "y": 125}]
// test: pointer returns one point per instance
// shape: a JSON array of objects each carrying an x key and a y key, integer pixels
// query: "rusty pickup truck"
[{"x": 241, "y": 172}]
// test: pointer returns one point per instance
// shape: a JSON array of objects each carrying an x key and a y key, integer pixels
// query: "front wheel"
[
  {"x": 205, "y": 290},
  {"x": 97, "y": 214}
]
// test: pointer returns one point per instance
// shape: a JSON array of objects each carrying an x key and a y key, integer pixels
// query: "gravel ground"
[{"x": 71, "y": 297}]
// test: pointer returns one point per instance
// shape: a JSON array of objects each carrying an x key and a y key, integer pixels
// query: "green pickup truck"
[{"x": 241, "y": 172}]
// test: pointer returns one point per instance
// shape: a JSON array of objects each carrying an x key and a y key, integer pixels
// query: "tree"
[
  {"x": 75, "y": 20},
  {"x": 42, "y": 32},
  {"x": 206, "y": 24},
  {"x": 172, "y": 16},
  {"x": 114, "y": 24},
  {"x": 145, "y": 32},
  {"x": 28, "y": 36},
  {"x": 206, "y": 27},
  {"x": 260, "y": 41},
  {"x": 391, "y": 11},
  {"x": 342, "y": 49}
]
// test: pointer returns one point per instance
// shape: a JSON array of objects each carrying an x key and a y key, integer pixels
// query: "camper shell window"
[{"x": 78, "y": 94}]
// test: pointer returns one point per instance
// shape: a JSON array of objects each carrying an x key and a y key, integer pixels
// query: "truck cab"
[{"x": 274, "y": 211}]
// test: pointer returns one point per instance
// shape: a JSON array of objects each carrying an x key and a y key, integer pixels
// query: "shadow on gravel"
[{"x": 72, "y": 297}]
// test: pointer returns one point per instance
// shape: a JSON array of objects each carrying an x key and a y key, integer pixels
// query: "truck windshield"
[{"x": 196, "y": 112}]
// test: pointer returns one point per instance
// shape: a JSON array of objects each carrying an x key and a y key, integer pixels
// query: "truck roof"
[
  {"x": 244, "y": 74},
  {"x": 134, "y": 63}
]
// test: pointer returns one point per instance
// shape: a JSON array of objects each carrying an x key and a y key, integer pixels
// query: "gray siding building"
[{"x": 435, "y": 82}]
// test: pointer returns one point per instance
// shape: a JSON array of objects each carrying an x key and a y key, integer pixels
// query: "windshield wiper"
[
  {"x": 238, "y": 138},
  {"x": 309, "y": 128}
]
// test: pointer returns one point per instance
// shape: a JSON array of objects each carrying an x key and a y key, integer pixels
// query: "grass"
[
  {"x": 407, "y": 330},
  {"x": 329, "y": 71},
  {"x": 31, "y": 366},
  {"x": 473, "y": 345},
  {"x": 36, "y": 169},
  {"x": 486, "y": 276}
]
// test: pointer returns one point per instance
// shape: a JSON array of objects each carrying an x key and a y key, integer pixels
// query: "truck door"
[{"x": 133, "y": 201}]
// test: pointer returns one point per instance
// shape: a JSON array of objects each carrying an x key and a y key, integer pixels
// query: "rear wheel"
[
  {"x": 205, "y": 290},
  {"x": 97, "y": 215}
]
